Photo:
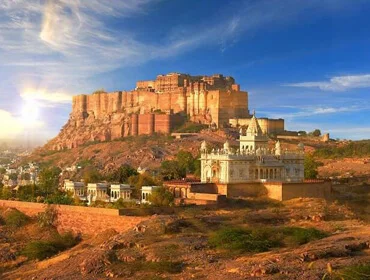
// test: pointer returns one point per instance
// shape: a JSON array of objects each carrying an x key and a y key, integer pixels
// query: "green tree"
[
  {"x": 161, "y": 197},
  {"x": 171, "y": 169},
  {"x": 310, "y": 167},
  {"x": 27, "y": 193},
  {"x": 186, "y": 161},
  {"x": 122, "y": 174},
  {"x": 316, "y": 133},
  {"x": 2, "y": 171},
  {"x": 140, "y": 180},
  {"x": 49, "y": 179},
  {"x": 91, "y": 175}
]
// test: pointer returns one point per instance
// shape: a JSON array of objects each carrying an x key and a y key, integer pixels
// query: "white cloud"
[
  {"x": 65, "y": 42},
  {"x": 338, "y": 83},
  {"x": 43, "y": 95},
  {"x": 12, "y": 126},
  {"x": 313, "y": 111}
]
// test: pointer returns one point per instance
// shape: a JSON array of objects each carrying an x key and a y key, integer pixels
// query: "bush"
[
  {"x": 120, "y": 203},
  {"x": 39, "y": 250},
  {"x": 299, "y": 236},
  {"x": 242, "y": 240},
  {"x": 310, "y": 167},
  {"x": 262, "y": 239},
  {"x": 16, "y": 218},
  {"x": 161, "y": 197},
  {"x": 48, "y": 218},
  {"x": 352, "y": 149},
  {"x": 59, "y": 197},
  {"x": 355, "y": 272},
  {"x": 191, "y": 127},
  {"x": 5, "y": 193}
]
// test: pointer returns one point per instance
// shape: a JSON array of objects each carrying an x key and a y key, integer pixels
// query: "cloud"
[
  {"x": 338, "y": 83},
  {"x": 12, "y": 127},
  {"x": 68, "y": 41},
  {"x": 43, "y": 95},
  {"x": 313, "y": 111}
]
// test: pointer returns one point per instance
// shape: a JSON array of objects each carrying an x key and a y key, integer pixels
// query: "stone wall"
[
  {"x": 280, "y": 191},
  {"x": 245, "y": 190},
  {"x": 104, "y": 116},
  {"x": 267, "y": 125},
  {"x": 86, "y": 220}
]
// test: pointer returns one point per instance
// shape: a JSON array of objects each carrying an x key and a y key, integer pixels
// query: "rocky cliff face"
[{"x": 106, "y": 116}]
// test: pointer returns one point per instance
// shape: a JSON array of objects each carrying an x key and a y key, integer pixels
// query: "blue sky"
[{"x": 305, "y": 61}]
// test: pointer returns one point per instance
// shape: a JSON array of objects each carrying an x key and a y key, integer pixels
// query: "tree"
[
  {"x": 302, "y": 133},
  {"x": 91, "y": 175},
  {"x": 171, "y": 169},
  {"x": 49, "y": 180},
  {"x": 2, "y": 171},
  {"x": 140, "y": 180},
  {"x": 186, "y": 160},
  {"x": 310, "y": 167},
  {"x": 161, "y": 197},
  {"x": 122, "y": 174},
  {"x": 316, "y": 133}
]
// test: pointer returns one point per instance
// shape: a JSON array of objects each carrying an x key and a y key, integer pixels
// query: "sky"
[{"x": 305, "y": 61}]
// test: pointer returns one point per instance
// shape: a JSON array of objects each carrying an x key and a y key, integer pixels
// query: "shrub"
[
  {"x": 355, "y": 272},
  {"x": 120, "y": 203},
  {"x": 242, "y": 240},
  {"x": 59, "y": 197},
  {"x": 48, "y": 218},
  {"x": 39, "y": 250},
  {"x": 16, "y": 218},
  {"x": 299, "y": 236},
  {"x": 310, "y": 167},
  {"x": 161, "y": 197}
]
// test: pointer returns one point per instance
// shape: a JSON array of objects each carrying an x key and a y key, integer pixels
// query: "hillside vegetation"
[{"x": 352, "y": 149}]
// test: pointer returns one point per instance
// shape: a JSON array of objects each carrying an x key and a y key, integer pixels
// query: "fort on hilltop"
[{"x": 157, "y": 106}]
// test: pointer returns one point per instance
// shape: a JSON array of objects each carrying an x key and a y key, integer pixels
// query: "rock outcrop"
[{"x": 154, "y": 106}]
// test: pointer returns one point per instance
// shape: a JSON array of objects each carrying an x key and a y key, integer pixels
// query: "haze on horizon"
[{"x": 304, "y": 61}]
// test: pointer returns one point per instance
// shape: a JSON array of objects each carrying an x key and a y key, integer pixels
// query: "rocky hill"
[
  {"x": 297, "y": 239},
  {"x": 152, "y": 107}
]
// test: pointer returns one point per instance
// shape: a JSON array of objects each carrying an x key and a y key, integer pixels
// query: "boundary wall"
[{"x": 80, "y": 219}]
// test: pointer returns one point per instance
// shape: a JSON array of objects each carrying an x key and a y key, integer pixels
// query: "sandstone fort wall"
[
  {"x": 267, "y": 125},
  {"x": 80, "y": 219}
]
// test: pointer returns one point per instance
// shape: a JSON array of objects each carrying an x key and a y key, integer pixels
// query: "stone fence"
[{"x": 79, "y": 219}]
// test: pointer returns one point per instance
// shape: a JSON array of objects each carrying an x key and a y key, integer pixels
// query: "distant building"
[
  {"x": 118, "y": 191},
  {"x": 146, "y": 192},
  {"x": 97, "y": 191},
  {"x": 76, "y": 188}
]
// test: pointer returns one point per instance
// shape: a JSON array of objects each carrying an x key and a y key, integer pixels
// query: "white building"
[
  {"x": 146, "y": 192},
  {"x": 77, "y": 188},
  {"x": 253, "y": 161},
  {"x": 97, "y": 191},
  {"x": 118, "y": 191}
]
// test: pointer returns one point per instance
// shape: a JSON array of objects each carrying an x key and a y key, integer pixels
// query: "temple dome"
[{"x": 254, "y": 128}]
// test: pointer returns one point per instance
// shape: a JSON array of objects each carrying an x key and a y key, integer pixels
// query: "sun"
[{"x": 30, "y": 112}]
